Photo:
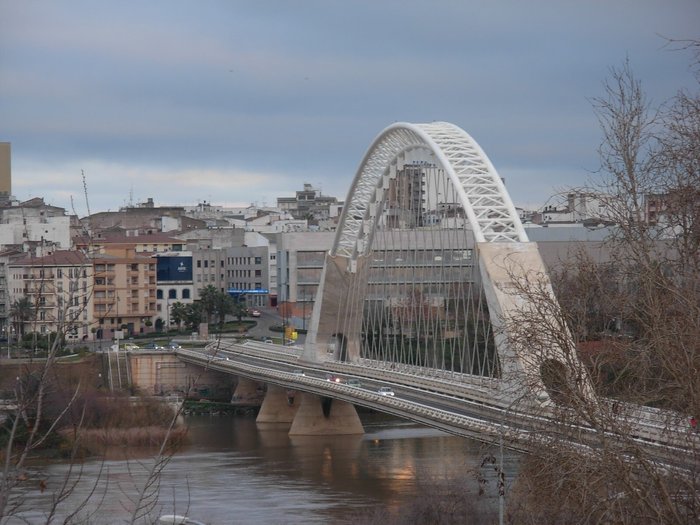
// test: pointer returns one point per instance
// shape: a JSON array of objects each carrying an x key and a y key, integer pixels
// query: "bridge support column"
[
  {"x": 341, "y": 296},
  {"x": 278, "y": 406},
  {"x": 324, "y": 416},
  {"x": 247, "y": 391}
]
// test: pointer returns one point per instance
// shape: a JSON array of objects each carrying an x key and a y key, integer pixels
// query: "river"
[{"x": 234, "y": 472}]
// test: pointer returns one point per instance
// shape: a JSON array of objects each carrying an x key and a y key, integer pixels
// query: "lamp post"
[
  {"x": 10, "y": 334},
  {"x": 303, "y": 322},
  {"x": 167, "y": 314},
  {"x": 501, "y": 484}
]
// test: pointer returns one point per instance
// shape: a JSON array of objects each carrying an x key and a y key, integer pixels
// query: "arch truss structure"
[
  {"x": 476, "y": 183},
  {"x": 416, "y": 279}
]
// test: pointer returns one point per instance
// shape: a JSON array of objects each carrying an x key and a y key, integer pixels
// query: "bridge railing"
[
  {"x": 647, "y": 424},
  {"x": 484, "y": 421}
]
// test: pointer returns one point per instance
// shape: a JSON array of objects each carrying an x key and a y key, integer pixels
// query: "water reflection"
[{"x": 235, "y": 472}]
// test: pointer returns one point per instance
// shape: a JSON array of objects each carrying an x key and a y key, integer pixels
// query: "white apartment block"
[{"x": 59, "y": 287}]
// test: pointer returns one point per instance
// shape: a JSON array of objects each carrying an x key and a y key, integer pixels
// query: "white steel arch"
[
  {"x": 504, "y": 256},
  {"x": 486, "y": 202}
]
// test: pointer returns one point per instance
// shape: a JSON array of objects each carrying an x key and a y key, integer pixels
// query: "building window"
[
  {"x": 199, "y": 264},
  {"x": 159, "y": 294},
  {"x": 186, "y": 293},
  {"x": 172, "y": 293},
  {"x": 258, "y": 260}
]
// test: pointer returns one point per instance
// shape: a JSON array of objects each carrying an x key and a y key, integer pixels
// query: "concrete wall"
[{"x": 164, "y": 373}]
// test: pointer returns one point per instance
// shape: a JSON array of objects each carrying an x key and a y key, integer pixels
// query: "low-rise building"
[
  {"x": 174, "y": 284},
  {"x": 247, "y": 275},
  {"x": 34, "y": 220},
  {"x": 309, "y": 203}
]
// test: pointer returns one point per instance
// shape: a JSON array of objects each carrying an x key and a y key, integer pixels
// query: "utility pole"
[{"x": 501, "y": 482}]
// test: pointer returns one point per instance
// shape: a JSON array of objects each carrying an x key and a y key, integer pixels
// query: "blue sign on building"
[
  {"x": 174, "y": 269},
  {"x": 257, "y": 291}
]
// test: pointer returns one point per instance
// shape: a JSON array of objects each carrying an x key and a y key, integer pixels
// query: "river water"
[{"x": 235, "y": 472}]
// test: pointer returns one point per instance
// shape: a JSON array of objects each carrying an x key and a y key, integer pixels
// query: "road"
[
  {"x": 269, "y": 317},
  {"x": 458, "y": 408}
]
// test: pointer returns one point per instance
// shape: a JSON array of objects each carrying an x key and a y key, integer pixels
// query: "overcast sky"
[{"x": 239, "y": 102}]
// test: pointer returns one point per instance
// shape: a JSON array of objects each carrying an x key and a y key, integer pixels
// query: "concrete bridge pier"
[
  {"x": 278, "y": 406},
  {"x": 325, "y": 416},
  {"x": 247, "y": 391}
]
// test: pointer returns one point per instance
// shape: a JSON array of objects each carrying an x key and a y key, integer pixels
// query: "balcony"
[
  {"x": 33, "y": 277},
  {"x": 40, "y": 293}
]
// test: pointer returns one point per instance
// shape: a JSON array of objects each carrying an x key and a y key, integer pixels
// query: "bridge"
[{"x": 428, "y": 289}]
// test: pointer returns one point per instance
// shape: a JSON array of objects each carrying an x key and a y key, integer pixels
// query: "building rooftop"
[{"x": 57, "y": 258}]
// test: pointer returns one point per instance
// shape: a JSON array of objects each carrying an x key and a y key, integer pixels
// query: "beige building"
[
  {"x": 5, "y": 172},
  {"x": 59, "y": 288},
  {"x": 124, "y": 292}
]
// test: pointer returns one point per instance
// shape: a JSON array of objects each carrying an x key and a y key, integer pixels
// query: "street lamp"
[
  {"x": 303, "y": 322},
  {"x": 10, "y": 333}
]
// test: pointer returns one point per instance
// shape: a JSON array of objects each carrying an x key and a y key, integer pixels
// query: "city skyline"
[{"x": 243, "y": 103}]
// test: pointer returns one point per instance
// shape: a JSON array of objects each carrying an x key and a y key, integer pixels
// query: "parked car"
[
  {"x": 131, "y": 346},
  {"x": 334, "y": 378},
  {"x": 385, "y": 391},
  {"x": 298, "y": 372},
  {"x": 152, "y": 346},
  {"x": 173, "y": 346},
  {"x": 267, "y": 340},
  {"x": 255, "y": 313},
  {"x": 354, "y": 382}
]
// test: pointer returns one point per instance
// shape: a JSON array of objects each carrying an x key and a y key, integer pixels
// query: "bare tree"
[{"x": 623, "y": 451}]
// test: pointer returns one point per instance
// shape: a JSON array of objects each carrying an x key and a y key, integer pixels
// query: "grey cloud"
[{"x": 301, "y": 88}]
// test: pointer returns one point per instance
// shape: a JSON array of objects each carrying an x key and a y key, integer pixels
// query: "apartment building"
[
  {"x": 35, "y": 221},
  {"x": 124, "y": 292},
  {"x": 59, "y": 289},
  {"x": 309, "y": 203}
]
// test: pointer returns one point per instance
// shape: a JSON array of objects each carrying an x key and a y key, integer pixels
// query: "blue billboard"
[{"x": 174, "y": 269}]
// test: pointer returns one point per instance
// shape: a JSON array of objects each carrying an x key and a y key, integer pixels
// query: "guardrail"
[
  {"x": 490, "y": 415},
  {"x": 441, "y": 419}
]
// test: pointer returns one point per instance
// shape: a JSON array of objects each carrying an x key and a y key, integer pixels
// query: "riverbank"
[{"x": 77, "y": 414}]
